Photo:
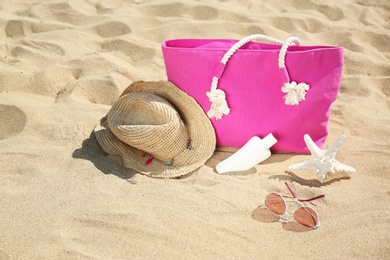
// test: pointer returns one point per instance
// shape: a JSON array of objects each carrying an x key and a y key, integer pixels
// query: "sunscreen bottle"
[{"x": 252, "y": 153}]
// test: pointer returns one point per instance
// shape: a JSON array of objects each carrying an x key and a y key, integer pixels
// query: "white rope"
[
  {"x": 217, "y": 97},
  {"x": 292, "y": 41},
  {"x": 219, "y": 105},
  {"x": 239, "y": 44},
  {"x": 242, "y": 42},
  {"x": 295, "y": 93}
]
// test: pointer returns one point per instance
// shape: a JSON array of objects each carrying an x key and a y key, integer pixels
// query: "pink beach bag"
[{"x": 251, "y": 89}]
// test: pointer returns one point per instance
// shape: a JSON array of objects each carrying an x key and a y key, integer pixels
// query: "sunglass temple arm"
[
  {"x": 308, "y": 200},
  {"x": 292, "y": 193}
]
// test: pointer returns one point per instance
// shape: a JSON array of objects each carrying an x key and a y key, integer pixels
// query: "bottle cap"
[{"x": 269, "y": 141}]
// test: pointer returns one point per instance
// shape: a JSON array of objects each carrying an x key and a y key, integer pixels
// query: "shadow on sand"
[{"x": 108, "y": 164}]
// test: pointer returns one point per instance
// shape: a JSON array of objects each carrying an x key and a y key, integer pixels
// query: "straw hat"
[{"x": 158, "y": 130}]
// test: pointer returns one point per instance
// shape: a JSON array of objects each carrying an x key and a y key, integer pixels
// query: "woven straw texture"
[{"x": 160, "y": 120}]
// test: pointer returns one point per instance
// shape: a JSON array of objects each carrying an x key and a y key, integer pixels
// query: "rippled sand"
[{"x": 64, "y": 63}]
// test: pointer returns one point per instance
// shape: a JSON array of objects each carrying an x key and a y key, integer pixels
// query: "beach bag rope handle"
[{"x": 295, "y": 93}]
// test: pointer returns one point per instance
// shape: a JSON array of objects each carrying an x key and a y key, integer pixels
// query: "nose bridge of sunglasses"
[
  {"x": 290, "y": 199},
  {"x": 281, "y": 204},
  {"x": 302, "y": 214}
]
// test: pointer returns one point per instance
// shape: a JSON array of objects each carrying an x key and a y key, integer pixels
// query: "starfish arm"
[
  {"x": 332, "y": 150},
  {"x": 340, "y": 167},
  {"x": 322, "y": 161},
  {"x": 320, "y": 172},
  {"x": 314, "y": 149},
  {"x": 306, "y": 165},
  {"x": 321, "y": 175}
]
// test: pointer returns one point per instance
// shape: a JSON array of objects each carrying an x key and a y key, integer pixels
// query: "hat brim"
[{"x": 199, "y": 127}]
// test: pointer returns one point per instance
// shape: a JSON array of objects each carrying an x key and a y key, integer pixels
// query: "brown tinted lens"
[
  {"x": 275, "y": 203},
  {"x": 306, "y": 216}
]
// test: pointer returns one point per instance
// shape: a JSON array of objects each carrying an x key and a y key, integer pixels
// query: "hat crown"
[
  {"x": 172, "y": 127},
  {"x": 149, "y": 123}
]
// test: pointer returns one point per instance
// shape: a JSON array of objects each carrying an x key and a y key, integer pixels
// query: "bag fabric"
[{"x": 256, "y": 79}]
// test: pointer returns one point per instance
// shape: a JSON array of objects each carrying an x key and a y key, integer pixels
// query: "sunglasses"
[{"x": 304, "y": 215}]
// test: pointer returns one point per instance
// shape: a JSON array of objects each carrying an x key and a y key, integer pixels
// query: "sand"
[{"x": 63, "y": 64}]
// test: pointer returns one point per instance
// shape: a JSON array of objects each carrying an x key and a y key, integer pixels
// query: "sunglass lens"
[
  {"x": 275, "y": 203},
  {"x": 306, "y": 216}
]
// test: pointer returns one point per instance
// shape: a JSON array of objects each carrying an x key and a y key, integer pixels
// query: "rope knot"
[
  {"x": 219, "y": 105},
  {"x": 295, "y": 92}
]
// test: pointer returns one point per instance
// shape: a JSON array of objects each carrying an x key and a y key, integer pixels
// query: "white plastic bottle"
[{"x": 252, "y": 153}]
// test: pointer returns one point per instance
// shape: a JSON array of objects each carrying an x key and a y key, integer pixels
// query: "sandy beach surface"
[{"x": 63, "y": 63}]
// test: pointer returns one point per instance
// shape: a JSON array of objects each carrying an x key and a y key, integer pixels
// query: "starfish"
[{"x": 322, "y": 161}]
